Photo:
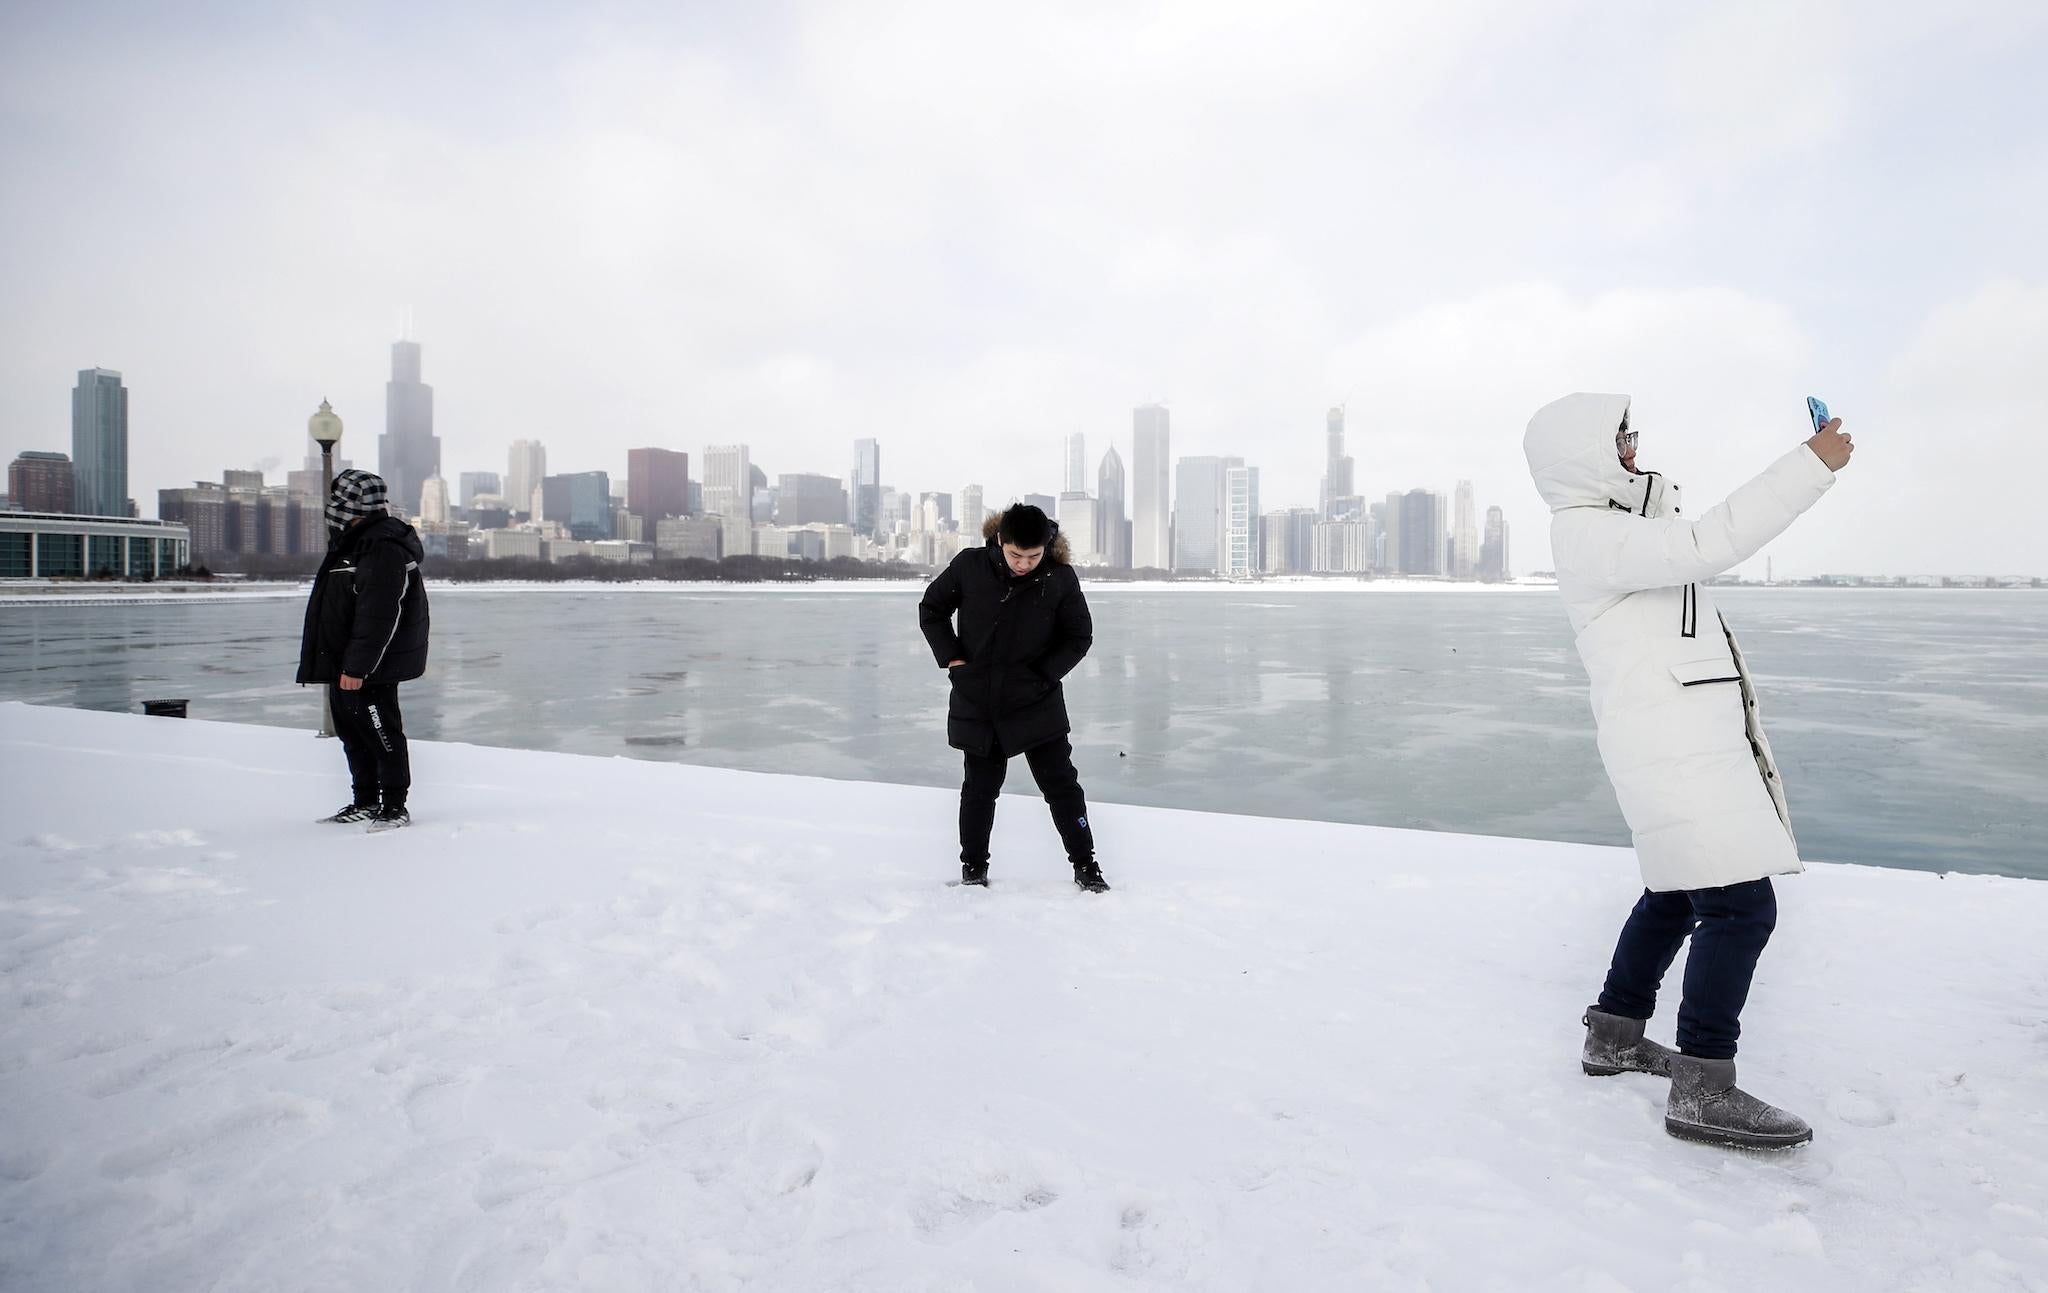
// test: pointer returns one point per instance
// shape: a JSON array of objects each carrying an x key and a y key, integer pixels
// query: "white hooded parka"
[{"x": 1679, "y": 729}]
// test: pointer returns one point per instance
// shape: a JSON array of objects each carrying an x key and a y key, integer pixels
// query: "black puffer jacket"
[
  {"x": 367, "y": 616},
  {"x": 1019, "y": 637}
]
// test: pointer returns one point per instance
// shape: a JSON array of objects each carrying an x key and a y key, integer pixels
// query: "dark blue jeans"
[{"x": 1729, "y": 927}]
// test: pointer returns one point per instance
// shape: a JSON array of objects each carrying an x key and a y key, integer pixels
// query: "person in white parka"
[{"x": 1682, "y": 741}]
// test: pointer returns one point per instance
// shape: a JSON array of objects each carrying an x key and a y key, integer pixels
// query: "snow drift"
[{"x": 605, "y": 1024}]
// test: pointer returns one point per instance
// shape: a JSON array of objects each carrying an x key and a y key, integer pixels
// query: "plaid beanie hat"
[{"x": 356, "y": 494}]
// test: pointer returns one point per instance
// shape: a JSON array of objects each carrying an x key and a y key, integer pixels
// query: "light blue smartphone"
[{"x": 1818, "y": 410}]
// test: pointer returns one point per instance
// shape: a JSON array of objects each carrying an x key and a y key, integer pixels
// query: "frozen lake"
[{"x": 1911, "y": 726}]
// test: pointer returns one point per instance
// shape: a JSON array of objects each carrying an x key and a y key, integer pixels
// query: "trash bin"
[{"x": 165, "y": 708}]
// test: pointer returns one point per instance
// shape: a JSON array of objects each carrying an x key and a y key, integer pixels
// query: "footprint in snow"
[
  {"x": 1861, "y": 1110},
  {"x": 971, "y": 1202},
  {"x": 19, "y": 1164},
  {"x": 435, "y": 1104},
  {"x": 169, "y": 1061},
  {"x": 1154, "y": 1243},
  {"x": 230, "y": 1136}
]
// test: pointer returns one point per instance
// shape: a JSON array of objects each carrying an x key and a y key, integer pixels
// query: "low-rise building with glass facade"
[{"x": 57, "y": 545}]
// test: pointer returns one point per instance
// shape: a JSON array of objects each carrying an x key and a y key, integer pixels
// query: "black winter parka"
[
  {"x": 1020, "y": 635},
  {"x": 367, "y": 615}
]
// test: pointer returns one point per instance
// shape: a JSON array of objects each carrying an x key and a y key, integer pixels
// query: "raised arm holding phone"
[{"x": 1681, "y": 737}]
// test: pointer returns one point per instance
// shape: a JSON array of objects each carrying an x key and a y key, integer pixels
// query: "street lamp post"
[{"x": 325, "y": 428}]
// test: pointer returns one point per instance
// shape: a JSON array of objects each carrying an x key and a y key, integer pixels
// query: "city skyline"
[
  {"x": 656, "y": 486},
  {"x": 1034, "y": 256},
  {"x": 409, "y": 415}
]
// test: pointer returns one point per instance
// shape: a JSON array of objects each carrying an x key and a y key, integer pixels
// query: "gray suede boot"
[
  {"x": 1707, "y": 1106},
  {"x": 1617, "y": 1045}
]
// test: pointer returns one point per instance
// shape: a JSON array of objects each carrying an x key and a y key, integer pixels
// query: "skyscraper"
[
  {"x": 897, "y": 508},
  {"x": 864, "y": 488},
  {"x": 1340, "y": 501},
  {"x": 1493, "y": 553},
  {"x": 1240, "y": 520},
  {"x": 972, "y": 512},
  {"x": 1198, "y": 514},
  {"x": 99, "y": 444},
  {"x": 1254, "y": 538},
  {"x": 1077, "y": 464},
  {"x": 1342, "y": 547},
  {"x": 1109, "y": 494},
  {"x": 729, "y": 481},
  {"x": 581, "y": 501},
  {"x": 1422, "y": 533},
  {"x": 1273, "y": 537},
  {"x": 1081, "y": 525},
  {"x": 1464, "y": 533},
  {"x": 1287, "y": 541},
  {"x": 657, "y": 487},
  {"x": 434, "y": 501},
  {"x": 408, "y": 452},
  {"x": 805, "y": 499},
  {"x": 525, "y": 469},
  {"x": 1151, "y": 488}
]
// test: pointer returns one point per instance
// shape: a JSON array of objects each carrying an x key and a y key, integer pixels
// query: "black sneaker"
[
  {"x": 389, "y": 819},
  {"x": 352, "y": 813},
  {"x": 974, "y": 873},
  {"x": 1088, "y": 875}
]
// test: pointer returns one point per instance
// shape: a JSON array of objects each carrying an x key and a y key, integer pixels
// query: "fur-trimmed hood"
[{"x": 1061, "y": 553}]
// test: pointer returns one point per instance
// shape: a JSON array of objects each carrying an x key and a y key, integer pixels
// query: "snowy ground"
[{"x": 604, "y": 1024}]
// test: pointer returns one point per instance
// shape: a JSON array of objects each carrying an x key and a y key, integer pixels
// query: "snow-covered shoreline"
[
  {"x": 44, "y": 595},
  {"x": 597, "y": 1023},
  {"x": 51, "y": 593},
  {"x": 197, "y": 594},
  {"x": 1096, "y": 587}
]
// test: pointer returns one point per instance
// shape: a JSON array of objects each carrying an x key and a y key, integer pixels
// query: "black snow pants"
[
  {"x": 372, "y": 734},
  {"x": 1052, "y": 767}
]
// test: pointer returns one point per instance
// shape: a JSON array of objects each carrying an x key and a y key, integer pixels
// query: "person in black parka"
[
  {"x": 366, "y": 632},
  {"x": 1023, "y": 625}
]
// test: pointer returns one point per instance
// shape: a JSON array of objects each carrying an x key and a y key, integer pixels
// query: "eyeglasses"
[{"x": 1624, "y": 439}]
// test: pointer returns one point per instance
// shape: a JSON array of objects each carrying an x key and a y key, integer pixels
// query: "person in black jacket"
[
  {"x": 1023, "y": 626},
  {"x": 366, "y": 632}
]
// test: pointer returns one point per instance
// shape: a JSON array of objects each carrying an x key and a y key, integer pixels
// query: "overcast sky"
[{"x": 971, "y": 230}]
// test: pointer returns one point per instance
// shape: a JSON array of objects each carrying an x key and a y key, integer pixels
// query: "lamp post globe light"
[{"x": 325, "y": 428}]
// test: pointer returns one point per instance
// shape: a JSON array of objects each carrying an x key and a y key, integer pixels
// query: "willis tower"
[{"x": 408, "y": 453}]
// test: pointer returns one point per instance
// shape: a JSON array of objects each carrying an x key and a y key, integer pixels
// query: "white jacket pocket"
[{"x": 1701, "y": 673}]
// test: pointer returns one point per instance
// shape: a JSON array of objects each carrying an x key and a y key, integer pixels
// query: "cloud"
[
  {"x": 1447, "y": 391},
  {"x": 970, "y": 230},
  {"x": 1951, "y": 455}
]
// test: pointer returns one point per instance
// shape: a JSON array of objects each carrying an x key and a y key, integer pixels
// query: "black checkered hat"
[{"x": 356, "y": 494}]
